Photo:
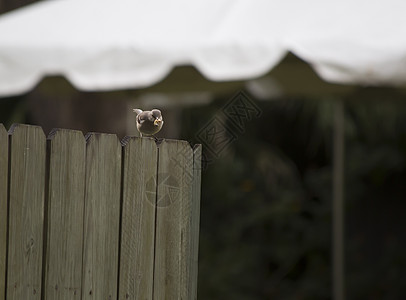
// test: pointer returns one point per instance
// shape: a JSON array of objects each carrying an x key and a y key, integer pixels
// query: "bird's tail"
[{"x": 137, "y": 111}]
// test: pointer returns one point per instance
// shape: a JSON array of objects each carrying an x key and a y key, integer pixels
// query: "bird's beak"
[{"x": 157, "y": 122}]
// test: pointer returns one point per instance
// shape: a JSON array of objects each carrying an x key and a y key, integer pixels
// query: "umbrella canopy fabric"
[{"x": 109, "y": 45}]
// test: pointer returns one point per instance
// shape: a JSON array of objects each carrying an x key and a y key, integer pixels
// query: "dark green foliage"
[
  {"x": 12, "y": 110},
  {"x": 266, "y": 203},
  {"x": 265, "y": 227},
  {"x": 376, "y": 194}
]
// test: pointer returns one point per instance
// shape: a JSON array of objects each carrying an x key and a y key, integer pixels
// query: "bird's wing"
[{"x": 142, "y": 117}]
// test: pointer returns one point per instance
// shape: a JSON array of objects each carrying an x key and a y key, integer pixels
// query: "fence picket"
[
  {"x": 3, "y": 208},
  {"x": 102, "y": 216},
  {"x": 174, "y": 203},
  {"x": 63, "y": 271},
  {"x": 26, "y": 212},
  {"x": 138, "y": 218},
  {"x": 195, "y": 222}
]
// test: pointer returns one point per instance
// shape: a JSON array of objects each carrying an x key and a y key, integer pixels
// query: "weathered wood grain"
[
  {"x": 195, "y": 224},
  {"x": 138, "y": 218},
  {"x": 26, "y": 212},
  {"x": 3, "y": 207},
  {"x": 97, "y": 247},
  {"x": 173, "y": 224},
  {"x": 63, "y": 265},
  {"x": 102, "y": 217}
]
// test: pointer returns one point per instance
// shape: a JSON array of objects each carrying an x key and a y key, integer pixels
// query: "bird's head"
[{"x": 156, "y": 113}]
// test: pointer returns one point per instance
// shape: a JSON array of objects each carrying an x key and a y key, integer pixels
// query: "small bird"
[{"x": 148, "y": 122}]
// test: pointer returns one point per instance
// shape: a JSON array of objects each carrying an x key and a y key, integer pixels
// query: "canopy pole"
[{"x": 338, "y": 202}]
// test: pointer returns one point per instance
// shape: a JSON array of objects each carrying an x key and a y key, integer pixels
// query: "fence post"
[
  {"x": 64, "y": 214},
  {"x": 3, "y": 208},
  {"x": 26, "y": 212}
]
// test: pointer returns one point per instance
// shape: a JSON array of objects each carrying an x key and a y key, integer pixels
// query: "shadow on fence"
[{"x": 93, "y": 218}]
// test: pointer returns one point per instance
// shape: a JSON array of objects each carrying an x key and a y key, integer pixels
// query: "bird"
[{"x": 148, "y": 122}]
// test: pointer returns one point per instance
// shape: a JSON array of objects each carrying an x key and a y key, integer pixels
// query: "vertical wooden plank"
[
  {"x": 26, "y": 212},
  {"x": 102, "y": 217},
  {"x": 138, "y": 218},
  {"x": 63, "y": 262},
  {"x": 173, "y": 224},
  {"x": 195, "y": 222},
  {"x": 3, "y": 207}
]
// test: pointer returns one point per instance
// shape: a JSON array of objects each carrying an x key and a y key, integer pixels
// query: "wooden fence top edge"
[
  {"x": 196, "y": 147},
  {"x": 55, "y": 131},
  {"x": 17, "y": 125},
  {"x": 124, "y": 141}
]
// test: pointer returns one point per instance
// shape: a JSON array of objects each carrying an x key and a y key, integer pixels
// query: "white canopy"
[{"x": 107, "y": 45}]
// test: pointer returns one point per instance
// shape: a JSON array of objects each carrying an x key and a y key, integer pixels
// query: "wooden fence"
[{"x": 93, "y": 218}]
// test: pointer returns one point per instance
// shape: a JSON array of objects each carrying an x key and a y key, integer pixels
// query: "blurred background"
[{"x": 269, "y": 192}]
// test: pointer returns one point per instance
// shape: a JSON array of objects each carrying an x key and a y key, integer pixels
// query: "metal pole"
[{"x": 338, "y": 202}]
